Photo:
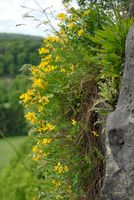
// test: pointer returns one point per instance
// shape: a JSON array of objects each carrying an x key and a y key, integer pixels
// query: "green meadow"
[
  {"x": 16, "y": 168},
  {"x": 6, "y": 151}
]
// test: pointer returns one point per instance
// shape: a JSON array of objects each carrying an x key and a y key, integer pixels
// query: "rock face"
[{"x": 119, "y": 175}]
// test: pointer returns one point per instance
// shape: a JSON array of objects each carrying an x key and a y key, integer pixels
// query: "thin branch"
[{"x": 18, "y": 155}]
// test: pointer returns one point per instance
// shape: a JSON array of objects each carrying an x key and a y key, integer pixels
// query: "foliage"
[
  {"x": 78, "y": 65},
  {"x": 110, "y": 56},
  {"x": 106, "y": 4}
]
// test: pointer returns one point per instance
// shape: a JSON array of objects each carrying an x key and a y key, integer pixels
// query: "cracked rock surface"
[{"x": 119, "y": 175}]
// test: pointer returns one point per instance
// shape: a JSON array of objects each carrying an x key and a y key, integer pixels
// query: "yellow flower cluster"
[
  {"x": 57, "y": 63},
  {"x": 61, "y": 16},
  {"x": 44, "y": 100},
  {"x": 37, "y": 153},
  {"x": 49, "y": 68},
  {"x": 36, "y": 72},
  {"x": 51, "y": 39},
  {"x": 43, "y": 50},
  {"x": 27, "y": 97},
  {"x": 31, "y": 117},
  {"x": 57, "y": 58},
  {"x": 43, "y": 64},
  {"x": 46, "y": 127},
  {"x": 72, "y": 25},
  {"x": 38, "y": 83},
  {"x": 48, "y": 57},
  {"x": 39, "y": 96},
  {"x": 60, "y": 168},
  {"x": 46, "y": 141},
  {"x": 62, "y": 70},
  {"x": 80, "y": 32},
  {"x": 56, "y": 182}
]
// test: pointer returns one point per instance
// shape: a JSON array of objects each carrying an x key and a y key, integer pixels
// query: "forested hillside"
[{"x": 15, "y": 51}]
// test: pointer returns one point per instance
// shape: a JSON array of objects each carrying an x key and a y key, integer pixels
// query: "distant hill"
[
  {"x": 17, "y": 50},
  {"x": 18, "y": 36}
]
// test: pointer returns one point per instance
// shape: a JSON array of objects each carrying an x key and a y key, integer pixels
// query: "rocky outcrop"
[{"x": 119, "y": 175}]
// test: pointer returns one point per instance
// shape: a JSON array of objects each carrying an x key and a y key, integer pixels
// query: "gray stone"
[
  {"x": 131, "y": 9},
  {"x": 119, "y": 174}
]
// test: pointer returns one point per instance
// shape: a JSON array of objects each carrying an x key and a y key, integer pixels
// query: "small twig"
[{"x": 50, "y": 24}]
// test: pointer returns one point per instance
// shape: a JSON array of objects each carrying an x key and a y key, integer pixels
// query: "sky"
[{"x": 12, "y": 13}]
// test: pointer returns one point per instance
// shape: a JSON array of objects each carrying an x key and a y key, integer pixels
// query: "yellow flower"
[
  {"x": 43, "y": 63},
  {"x": 38, "y": 153},
  {"x": 48, "y": 57},
  {"x": 73, "y": 122},
  {"x": 57, "y": 58},
  {"x": 95, "y": 134},
  {"x": 61, "y": 16},
  {"x": 59, "y": 168},
  {"x": 62, "y": 70},
  {"x": 43, "y": 50},
  {"x": 49, "y": 68},
  {"x": 50, "y": 127},
  {"x": 44, "y": 100},
  {"x": 50, "y": 39},
  {"x": 38, "y": 83},
  {"x": 30, "y": 116},
  {"x": 44, "y": 154},
  {"x": 46, "y": 127},
  {"x": 27, "y": 97},
  {"x": 71, "y": 25},
  {"x": 34, "y": 70},
  {"x": 35, "y": 149},
  {"x": 40, "y": 108},
  {"x": 36, "y": 157},
  {"x": 66, "y": 168},
  {"x": 57, "y": 183},
  {"x": 46, "y": 141},
  {"x": 80, "y": 32}
]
